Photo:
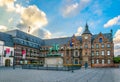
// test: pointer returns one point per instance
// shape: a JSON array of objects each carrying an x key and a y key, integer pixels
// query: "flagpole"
[{"x": 29, "y": 29}]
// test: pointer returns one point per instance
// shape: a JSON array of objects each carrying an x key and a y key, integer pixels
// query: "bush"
[
  {"x": 70, "y": 65},
  {"x": 116, "y": 59}
]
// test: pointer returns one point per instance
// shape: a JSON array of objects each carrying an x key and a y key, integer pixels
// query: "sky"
[{"x": 61, "y": 18}]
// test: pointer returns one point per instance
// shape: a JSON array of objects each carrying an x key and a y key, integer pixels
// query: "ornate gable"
[
  {"x": 73, "y": 41},
  {"x": 100, "y": 38}
]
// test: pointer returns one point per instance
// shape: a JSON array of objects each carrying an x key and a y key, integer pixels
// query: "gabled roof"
[
  {"x": 50, "y": 42},
  {"x": 8, "y": 41},
  {"x": 106, "y": 35}
]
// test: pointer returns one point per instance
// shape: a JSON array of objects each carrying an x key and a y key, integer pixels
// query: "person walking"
[{"x": 86, "y": 65}]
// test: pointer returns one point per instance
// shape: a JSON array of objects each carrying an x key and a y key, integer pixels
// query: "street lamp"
[
  {"x": 14, "y": 57},
  {"x": 72, "y": 62}
]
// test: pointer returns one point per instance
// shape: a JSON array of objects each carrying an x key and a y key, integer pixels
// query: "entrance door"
[{"x": 7, "y": 62}]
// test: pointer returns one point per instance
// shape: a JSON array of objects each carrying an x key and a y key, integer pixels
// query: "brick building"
[{"x": 96, "y": 50}]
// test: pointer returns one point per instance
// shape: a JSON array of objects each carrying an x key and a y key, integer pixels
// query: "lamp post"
[
  {"x": 14, "y": 57},
  {"x": 72, "y": 60},
  {"x": 72, "y": 64}
]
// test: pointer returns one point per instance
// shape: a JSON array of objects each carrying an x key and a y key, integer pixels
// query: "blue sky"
[
  {"x": 61, "y": 18},
  {"x": 96, "y": 13}
]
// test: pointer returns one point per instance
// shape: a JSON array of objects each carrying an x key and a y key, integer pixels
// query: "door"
[{"x": 7, "y": 62}]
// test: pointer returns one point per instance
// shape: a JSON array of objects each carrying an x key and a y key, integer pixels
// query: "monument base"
[{"x": 53, "y": 62}]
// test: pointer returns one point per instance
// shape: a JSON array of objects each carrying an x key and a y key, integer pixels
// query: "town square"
[
  {"x": 59, "y": 41},
  {"x": 81, "y": 75}
]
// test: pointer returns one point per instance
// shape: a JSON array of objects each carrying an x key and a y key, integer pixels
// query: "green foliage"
[{"x": 116, "y": 59}]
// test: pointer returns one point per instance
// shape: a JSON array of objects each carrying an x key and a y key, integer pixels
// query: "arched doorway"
[{"x": 7, "y": 62}]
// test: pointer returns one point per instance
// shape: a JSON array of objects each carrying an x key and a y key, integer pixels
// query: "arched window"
[{"x": 100, "y": 40}]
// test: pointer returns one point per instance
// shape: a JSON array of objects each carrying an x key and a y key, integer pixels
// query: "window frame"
[{"x": 100, "y": 40}]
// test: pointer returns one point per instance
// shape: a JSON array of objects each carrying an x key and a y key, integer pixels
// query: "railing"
[{"x": 57, "y": 68}]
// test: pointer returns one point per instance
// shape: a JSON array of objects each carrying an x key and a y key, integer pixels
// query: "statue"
[{"x": 55, "y": 48}]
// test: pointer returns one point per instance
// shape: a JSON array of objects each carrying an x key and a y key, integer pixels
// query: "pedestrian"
[{"x": 86, "y": 65}]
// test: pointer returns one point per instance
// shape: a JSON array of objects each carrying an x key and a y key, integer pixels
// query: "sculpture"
[{"x": 55, "y": 48}]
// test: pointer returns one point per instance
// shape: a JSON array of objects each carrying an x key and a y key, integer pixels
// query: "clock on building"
[{"x": 86, "y": 37}]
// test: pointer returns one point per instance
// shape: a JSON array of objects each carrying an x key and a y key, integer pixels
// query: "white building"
[
  {"x": 6, "y": 55},
  {"x": 1, "y": 52}
]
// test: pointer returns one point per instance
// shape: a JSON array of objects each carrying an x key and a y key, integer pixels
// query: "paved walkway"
[{"x": 82, "y": 75}]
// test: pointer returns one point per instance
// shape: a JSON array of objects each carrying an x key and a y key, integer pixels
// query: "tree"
[{"x": 116, "y": 59}]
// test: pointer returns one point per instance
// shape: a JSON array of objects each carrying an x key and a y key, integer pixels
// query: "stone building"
[
  {"x": 6, "y": 49},
  {"x": 95, "y": 49},
  {"x": 26, "y": 48}
]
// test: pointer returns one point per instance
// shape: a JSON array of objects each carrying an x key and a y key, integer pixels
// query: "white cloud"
[
  {"x": 42, "y": 33},
  {"x": 10, "y": 20},
  {"x": 71, "y": 8},
  {"x": 18, "y": 15},
  {"x": 79, "y": 31},
  {"x": 117, "y": 36},
  {"x": 33, "y": 17},
  {"x": 116, "y": 40},
  {"x": 113, "y": 21},
  {"x": 9, "y": 4},
  {"x": 3, "y": 28}
]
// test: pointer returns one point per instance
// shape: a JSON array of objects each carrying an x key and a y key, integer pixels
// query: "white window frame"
[
  {"x": 97, "y": 61},
  {"x": 108, "y": 52},
  {"x": 103, "y": 61},
  {"x": 93, "y": 62},
  {"x": 103, "y": 53},
  {"x": 97, "y": 45},
  {"x": 97, "y": 53},
  {"x": 108, "y": 45},
  {"x": 92, "y": 53},
  {"x": 109, "y": 61},
  {"x": 76, "y": 55},
  {"x": 92, "y": 46},
  {"x": 102, "y": 45}
]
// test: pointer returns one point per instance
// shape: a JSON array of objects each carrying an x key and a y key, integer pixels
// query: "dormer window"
[{"x": 100, "y": 40}]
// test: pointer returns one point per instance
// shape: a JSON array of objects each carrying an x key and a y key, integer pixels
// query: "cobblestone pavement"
[{"x": 82, "y": 75}]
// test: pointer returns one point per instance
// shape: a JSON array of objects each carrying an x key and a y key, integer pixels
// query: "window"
[
  {"x": 92, "y": 53},
  {"x": 100, "y": 40},
  {"x": 76, "y": 53},
  {"x": 103, "y": 52},
  {"x": 92, "y": 46},
  {"x": 97, "y": 61},
  {"x": 76, "y": 61},
  {"x": 108, "y": 61},
  {"x": 102, "y": 46},
  {"x": 92, "y": 61},
  {"x": 97, "y": 53},
  {"x": 108, "y": 45},
  {"x": 86, "y": 46},
  {"x": 97, "y": 46},
  {"x": 81, "y": 46},
  {"x": 102, "y": 61},
  {"x": 108, "y": 52}
]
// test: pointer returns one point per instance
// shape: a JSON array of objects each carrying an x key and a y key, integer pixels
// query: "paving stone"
[{"x": 82, "y": 75}]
